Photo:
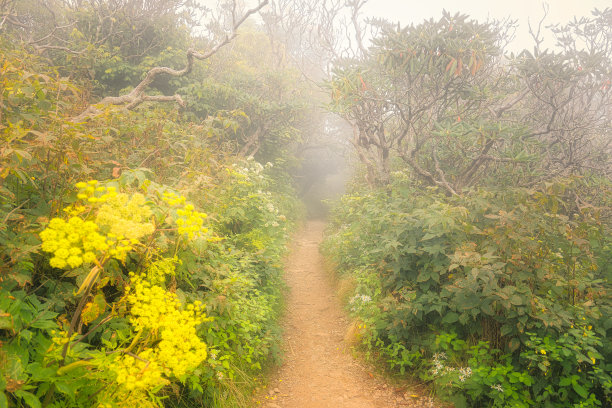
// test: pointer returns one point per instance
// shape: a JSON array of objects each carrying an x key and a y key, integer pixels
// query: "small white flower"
[
  {"x": 363, "y": 298},
  {"x": 464, "y": 372},
  {"x": 439, "y": 356},
  {"x": 498, "y": 387}
]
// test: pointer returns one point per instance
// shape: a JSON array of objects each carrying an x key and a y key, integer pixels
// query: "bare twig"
[{"x": 536, "y": 35}]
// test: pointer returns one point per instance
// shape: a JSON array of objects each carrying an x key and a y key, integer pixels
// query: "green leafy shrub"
[
  {"x": 172, "y": 224},
  {"x": 517, "y": 270},
  {"x": 119, "y": 313}
]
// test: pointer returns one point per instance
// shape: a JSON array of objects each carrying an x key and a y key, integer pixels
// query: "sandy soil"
[{"x": 318, "y": 369}]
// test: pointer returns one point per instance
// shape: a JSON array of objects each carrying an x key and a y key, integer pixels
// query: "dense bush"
[
  {"x": 140, "y": 251},
  {"x": 501, "y": 297},
  {"x": 482, "y": 263},
  {"x": 139, "y": 291}
]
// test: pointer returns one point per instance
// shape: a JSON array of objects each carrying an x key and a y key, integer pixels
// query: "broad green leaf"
[
  {"x": 580, "y": 390},
  {"x": 450, "y": 317},
  {"x": 29, "y": 398}
]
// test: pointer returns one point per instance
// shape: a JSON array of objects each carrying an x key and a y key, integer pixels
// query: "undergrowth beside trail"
[
  {"x": 495, "y": 298},
  {"x": 141, "y": 250},
  {"x": 172, "y": 305}
]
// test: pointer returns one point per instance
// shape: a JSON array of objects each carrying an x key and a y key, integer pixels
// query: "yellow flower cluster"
[
  {"x": 180, "y": 349},
  {"x": 158, "y": 270},
  {"x": 120, "y": 221},
  {"x": 112, "y": 397},
  {"x": 87, "y": 192},
  {"x": 172, "y": 199},
  {"x": 190, "y": 222},
  {"x": 125, "y": 219},
  {"x": 158, "y": 312},
  {"x": 73, "y": 242},
  {"x": 138, "y": 373},
  {"x": 60, "y": 337},
  {"x": 151, "y": 305}
]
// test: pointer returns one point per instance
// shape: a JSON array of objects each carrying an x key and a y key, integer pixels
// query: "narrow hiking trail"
[{"x": 318, "y": 369}]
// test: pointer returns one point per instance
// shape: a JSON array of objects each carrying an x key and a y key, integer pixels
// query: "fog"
[{"x": 523, "y": 11}]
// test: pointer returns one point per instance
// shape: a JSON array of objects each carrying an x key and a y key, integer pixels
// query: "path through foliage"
[{"x": 318, "y": 370}]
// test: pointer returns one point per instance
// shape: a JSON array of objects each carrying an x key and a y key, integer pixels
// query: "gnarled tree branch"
[{"x": 138, "y": 95}]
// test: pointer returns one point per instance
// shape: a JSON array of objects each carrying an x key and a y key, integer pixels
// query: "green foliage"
[
  {"x": 273, "y": 99},
  {"x": 229, "y": 272},
  {"x": 76, "y": 297},
  {"x": 523, "y": 271},
  {"x": 498, "y": 256},
  {"x": 444, "y": 98}
]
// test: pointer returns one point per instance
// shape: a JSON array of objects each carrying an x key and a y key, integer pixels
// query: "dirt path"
[{"x": 318, "y": 370}]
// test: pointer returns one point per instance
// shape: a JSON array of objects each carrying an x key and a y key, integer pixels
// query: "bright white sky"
[{"x": 415, "y": 11}]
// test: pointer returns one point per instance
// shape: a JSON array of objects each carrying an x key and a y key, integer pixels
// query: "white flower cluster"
[
  {"x": 361, "y": 298},
  {"x": 271, "y": 208},
  {"x": 497, "y": 387},
  {"x": 438, "y": 363},
  {"x": 252, "y": 168},
  {"x": 464, "y": 372},
  {"x": 440, "y": 369}
]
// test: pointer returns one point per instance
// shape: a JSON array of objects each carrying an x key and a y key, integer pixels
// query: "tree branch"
[{"x": 137, "y": 95}]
